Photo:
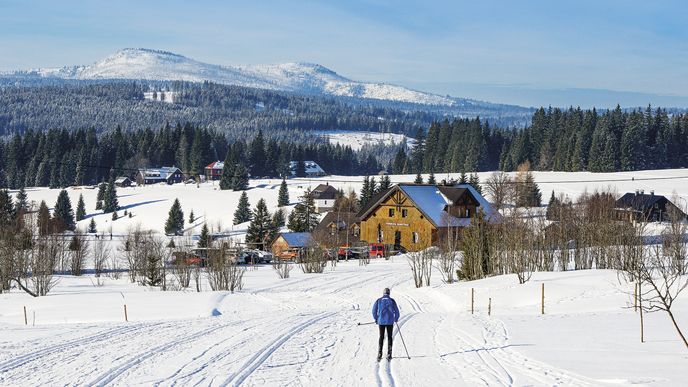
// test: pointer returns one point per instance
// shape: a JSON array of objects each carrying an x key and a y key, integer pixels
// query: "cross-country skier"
[{"x": 385, "y": 313}]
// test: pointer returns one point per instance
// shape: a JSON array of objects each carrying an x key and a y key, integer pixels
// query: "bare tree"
[
  {"x": 500, "y": 188},
  {"x": 282, "y": 267},
  {"x": 35, "y": 274},
  {"x": 313, "y": 259},
  {"x": 78, "y": 250},
  {"x": 446, "y": 257},
  {"x": 663, "y": 283},
  {"x": 421, "y": 265},
  {"x": 182, "y": 269},
  {"x": 101, "y": 255},
  {"x": 223, "y": 271}
]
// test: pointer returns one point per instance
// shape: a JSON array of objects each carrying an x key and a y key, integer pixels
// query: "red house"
[{"x": 213, "y": 171}]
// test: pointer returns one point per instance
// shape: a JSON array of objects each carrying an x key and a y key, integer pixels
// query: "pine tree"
[
  {"x": 192, "y": 218},
  {"x": 300, "y": 168},
  {"x": 366, "y": 193},
  {"x": 7, "y": 214},
  {"x": 258, "y": 233},
  {"x": 303, "y": 218},
  {"x": 92, "y": 226},
  {"x": 399, "y": 162},
  {"x": 278, "y": 218},
  {"x": 175, "y": 219},
  {"x": 227, "y": 171},
  {"x": 474, "y": 181},
  {"x": 283, "y": 195},
  {"x": 240, "y": 179},
  {"x": 22, "y": 204},
  {"x": 385, "y": 183},
  {"x": 243, "y": 212},
  {"x": 463, "y": 179},
  {"x": 101, "y": 191},
  {"x": 257, "y": 155},
  {"x": 431, "y": 178},
  {"x": 110, "y": 203},
  {"x": 204, "y": 240},
  {"x": 419, "y": 179},
  {"x": 63, "y": 213},
  {"x": 80, "y": 208},
  {"x": 44, "y": 221}
]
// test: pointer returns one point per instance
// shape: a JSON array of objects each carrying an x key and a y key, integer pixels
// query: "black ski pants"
[{"x": 389, "y": 329}]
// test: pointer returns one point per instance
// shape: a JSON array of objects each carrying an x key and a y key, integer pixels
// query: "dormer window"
[{"x": 391, "y": 212}]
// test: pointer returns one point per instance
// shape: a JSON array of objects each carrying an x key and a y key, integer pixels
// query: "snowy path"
[{"x": 300, "y": 331}]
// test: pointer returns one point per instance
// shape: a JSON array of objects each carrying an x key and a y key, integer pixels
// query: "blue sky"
[{"x": 522, "y": 52}]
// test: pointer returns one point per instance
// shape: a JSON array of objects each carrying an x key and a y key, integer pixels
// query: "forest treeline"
[
  {"x": 560, "y": 140},
  {"x": 60, "y": 158}
]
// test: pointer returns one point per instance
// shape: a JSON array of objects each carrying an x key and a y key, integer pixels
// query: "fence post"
[
  {"x": 26, "y": 320},
  {"x": 542, "y": 309},
  {"x": 472, "y": 299},
  {"x": 126, "y": 318},
  {"x": 489, "y": 306}
]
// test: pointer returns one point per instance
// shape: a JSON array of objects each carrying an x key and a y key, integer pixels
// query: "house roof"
[
  {"x": 297, "y": 239},
  {"x": 121, "y": 179},
  {"x": 311, "y": 167},
  {"x": 432, "y": 201},
  {"x": 638, "y": 201},
  {"x": 158, "y": 173},
  {"x": 324, "y": 191},
  {"x": 216, "y": 165}
]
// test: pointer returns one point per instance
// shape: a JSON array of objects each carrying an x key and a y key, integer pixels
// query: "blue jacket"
[{"x": 385, "y": 311}]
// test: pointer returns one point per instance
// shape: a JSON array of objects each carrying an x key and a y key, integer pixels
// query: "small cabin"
[
  {"x": 213, "y": 171},
  {"x": 123, "y": 182},
  {"x": 288, "y": 245},
  {"x": 338, "y": 229}
]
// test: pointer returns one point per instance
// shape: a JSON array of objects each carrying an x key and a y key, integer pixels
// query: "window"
[
  {"x": 415, "y": 237},
  {"x": 404, "y": 213},
  {"x": 468, "y": 213},
  {"x": 391, "y": 212}
]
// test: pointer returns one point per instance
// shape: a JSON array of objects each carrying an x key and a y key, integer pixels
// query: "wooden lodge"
[{"x": 414, "y": 216}]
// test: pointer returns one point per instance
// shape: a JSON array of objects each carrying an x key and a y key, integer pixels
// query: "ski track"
[{"x": 262, "y": 355}]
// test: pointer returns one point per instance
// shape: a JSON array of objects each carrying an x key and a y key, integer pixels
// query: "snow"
[
  {"x": 140, "y": 63},
  {"x": 356, "y": 140},
  {"x": 303, "y": 330}
]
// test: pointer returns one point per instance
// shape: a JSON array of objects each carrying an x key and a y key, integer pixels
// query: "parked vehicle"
[
  {"x": 254, "y": 256},
  {"x": 376, "y": 250}
]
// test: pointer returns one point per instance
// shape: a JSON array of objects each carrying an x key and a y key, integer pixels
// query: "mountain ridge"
[{"x": 299, "y": 77}]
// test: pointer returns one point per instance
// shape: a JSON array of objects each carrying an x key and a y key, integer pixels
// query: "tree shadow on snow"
[
  {"x": 485, "y": 349},
  {"x": 128, "y": 206}
]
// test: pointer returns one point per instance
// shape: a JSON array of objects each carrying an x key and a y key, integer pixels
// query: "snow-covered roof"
[
  {"x": 158, "y": 173},
  {"x": 312, "y": 168},
  {"x": 121, "y": 179},
  {"x": 216, "y": 165},
  {"x": 298, "y": 239}
]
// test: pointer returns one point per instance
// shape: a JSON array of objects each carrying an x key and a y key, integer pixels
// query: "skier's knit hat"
[{"x": 386, "y": 291}]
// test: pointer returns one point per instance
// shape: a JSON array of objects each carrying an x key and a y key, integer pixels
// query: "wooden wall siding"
[
  {"x": 413, "y": 222},
  {"x": 279, "y": 245},
  {"x": 466, "y": 202}
]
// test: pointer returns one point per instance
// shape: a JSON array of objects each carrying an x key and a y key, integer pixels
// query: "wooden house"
[
  {"x": 338, "y": 229},
  {"x": 288, "y": 245},
  {"x": 414, "y": 216},
  {"x": 639, "y": 206},
  {"x": 123, "y": 182},
  {"x": 213, "y": 171}
]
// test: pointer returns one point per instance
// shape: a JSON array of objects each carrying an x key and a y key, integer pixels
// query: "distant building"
[
  {"x": 415, "y": 216},
  {"x": 123, "y": 181},
  {"x": 288, "y": 245},
  {"x": 324, "y": 196},
  {"x": 338, "y": 229},
  {"x": 312, "y": 168},
  {"x": 169, "y": 175},
  {"x": 639, "y": 206},
  {"x": 213, "y": 171}
]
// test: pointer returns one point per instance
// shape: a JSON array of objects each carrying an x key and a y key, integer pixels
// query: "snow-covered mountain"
[{"x": 295, "y": 77}]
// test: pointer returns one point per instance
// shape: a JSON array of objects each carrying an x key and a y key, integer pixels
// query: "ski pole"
[
  {"x": 366, "y": 323},
  {"x": 402, "y": 340}
]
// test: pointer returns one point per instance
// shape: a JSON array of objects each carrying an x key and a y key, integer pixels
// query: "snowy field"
[
  {"x": 150, "y": 204},
  {"x": 303, "y": 330},
  {"x": 356, "y": 140}
]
